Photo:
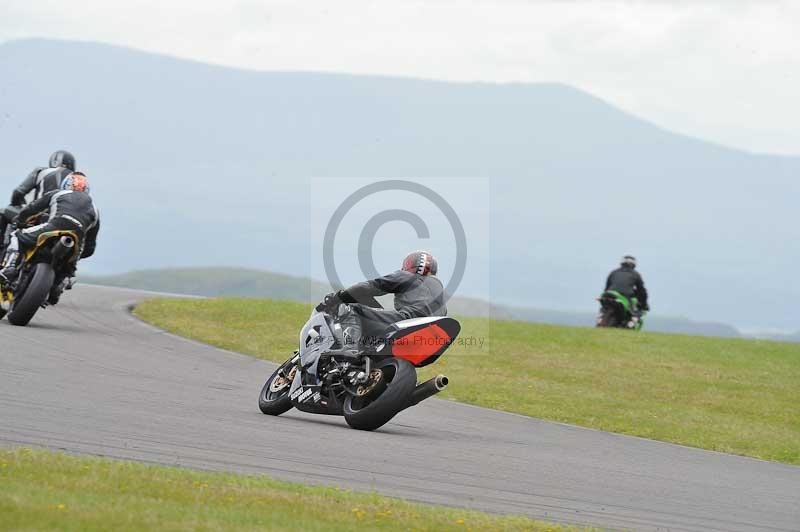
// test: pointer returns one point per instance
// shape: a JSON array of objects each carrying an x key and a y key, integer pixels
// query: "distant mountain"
[
  {"x": 795, "y": 337},
  {"x": 253, "y": 283},
  {"x": 195, "y": 164},
  {"x": 212, "y": 282}
]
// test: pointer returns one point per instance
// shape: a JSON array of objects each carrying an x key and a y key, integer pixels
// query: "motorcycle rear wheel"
[
  {"x": 368, "y": 412},
  {"x": 606, "y": 318},
  {"x": 33, "y": 296}
]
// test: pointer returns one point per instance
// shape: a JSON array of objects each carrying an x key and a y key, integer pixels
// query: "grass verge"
[
  {"x": 729, "y": 395},
  {"x": 43, "y": 490}
]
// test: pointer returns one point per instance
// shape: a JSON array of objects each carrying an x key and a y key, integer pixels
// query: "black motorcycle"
[
  {"x": 45, "y": 271},
  {"x": 368, "y": 386}
]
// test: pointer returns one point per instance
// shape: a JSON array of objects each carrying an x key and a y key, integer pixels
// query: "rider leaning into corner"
[
  {"x": 628, "y": 282},
  {"x": 417, "y": 293},
  {"x": 70, "y": 208},
  {"x": 41, "y": 181}
]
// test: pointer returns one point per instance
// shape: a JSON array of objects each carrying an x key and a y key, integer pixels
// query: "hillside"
[
  {"x": 238, "y": 282},
  {"x": 195, "y": 164},
  {"x": 234, "y": 282}
]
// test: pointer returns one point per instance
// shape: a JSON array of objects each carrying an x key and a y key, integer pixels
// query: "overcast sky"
[{"x": 723, "y": 70}]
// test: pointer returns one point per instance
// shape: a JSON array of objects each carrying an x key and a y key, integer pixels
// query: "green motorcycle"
[{"x": 618, "y": 311}]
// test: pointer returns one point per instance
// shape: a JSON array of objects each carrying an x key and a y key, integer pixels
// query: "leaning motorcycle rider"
[
  {"x": 417, "y": 293},
  {"x": 41, "y": 181},
  {"x": 628, "y": 282},
  {"x": 70, "y": 208}
]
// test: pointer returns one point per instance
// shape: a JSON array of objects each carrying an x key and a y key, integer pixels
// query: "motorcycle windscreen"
[{"x": 423, "y": 340}]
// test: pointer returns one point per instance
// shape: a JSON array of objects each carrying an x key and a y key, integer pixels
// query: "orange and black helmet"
[{"x": 421, "y": 263}]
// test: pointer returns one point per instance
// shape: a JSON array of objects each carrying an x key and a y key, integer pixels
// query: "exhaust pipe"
[
  {"x": 62, "y": 249},
  {"x": 428, "y": 389}
]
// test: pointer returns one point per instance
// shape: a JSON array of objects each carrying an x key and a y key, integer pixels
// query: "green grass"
[
  {"x": 730, "y": 395},
  {"x": 45, "y": 490}
]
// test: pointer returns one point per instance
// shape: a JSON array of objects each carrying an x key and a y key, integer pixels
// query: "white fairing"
[
  {"x": 316, "y": 338},
  {"x": 414, "y": 322}
]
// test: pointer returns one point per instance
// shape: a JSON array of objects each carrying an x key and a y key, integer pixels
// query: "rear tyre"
[
  {"x": 607, "y": 318},
  {"x": 33, "y": 297},
  {"x": 274, "y": 398},
  {"x": 371, "y": 411}
]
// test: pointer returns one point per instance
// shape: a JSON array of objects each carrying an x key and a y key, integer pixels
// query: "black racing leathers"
[
  {"x": 42, "y": 181},
  {"x": 67, "y": 209},
  {"x": 415, "y": 296},
  {"x": 629, "y": 283}
]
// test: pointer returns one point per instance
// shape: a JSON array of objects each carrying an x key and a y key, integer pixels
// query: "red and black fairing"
[{"x": 422, "y": 341}]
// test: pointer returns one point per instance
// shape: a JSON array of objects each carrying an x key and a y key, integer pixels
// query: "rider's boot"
[
  {"x": 8, "y": 276},
  {"x": 347, "y": 332},
  {"x": 9, "y": 273},
  {"x": 61, "y": 283},
  {"x": 55, "y": 293},
  {"x": 3, "y": 226},
  {"x": 8, "y": 270}
]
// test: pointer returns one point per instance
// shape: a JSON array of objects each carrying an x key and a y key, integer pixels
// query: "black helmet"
[
  {"x": 628, "y": 260},
  {"x": 62, "y": 158},
  {"x": 421, "y": 263}
]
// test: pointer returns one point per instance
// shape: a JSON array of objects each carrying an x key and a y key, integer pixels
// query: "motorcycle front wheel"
[
  {"x": 393, "y": 381},
  {"x": 274, "y": 398},
  {"x": 32, "y": 296}
]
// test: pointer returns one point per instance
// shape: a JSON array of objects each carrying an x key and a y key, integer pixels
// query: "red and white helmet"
[{"x": 421, "y": 263}]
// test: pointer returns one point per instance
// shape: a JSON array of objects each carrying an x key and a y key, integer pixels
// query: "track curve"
[{"x": 87, "y": 377}]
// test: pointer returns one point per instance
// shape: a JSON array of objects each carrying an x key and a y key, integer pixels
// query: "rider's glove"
[
  {"x": 330, "y": 301},
  {"x": 17, "y": 199}
]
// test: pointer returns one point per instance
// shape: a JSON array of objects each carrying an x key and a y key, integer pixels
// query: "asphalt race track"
[{"x": 86, "y": 377}]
